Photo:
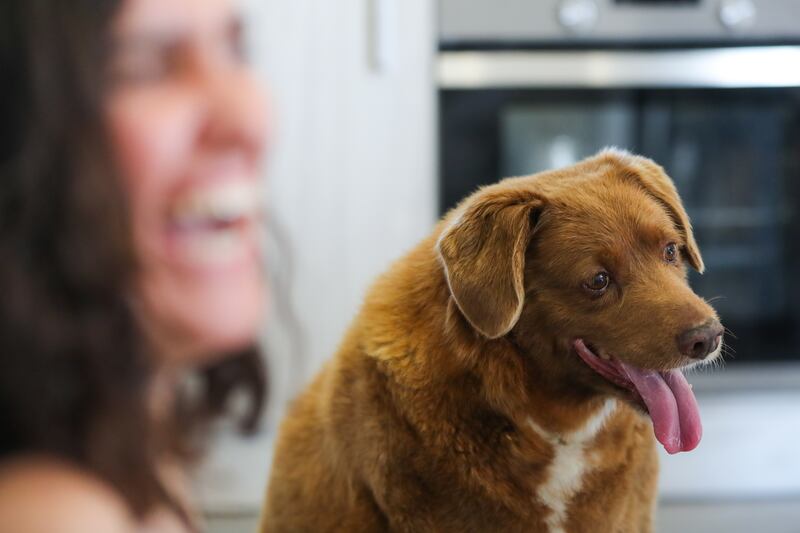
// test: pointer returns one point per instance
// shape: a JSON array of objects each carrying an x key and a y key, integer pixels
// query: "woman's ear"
[{"x": 483, "y": 253}]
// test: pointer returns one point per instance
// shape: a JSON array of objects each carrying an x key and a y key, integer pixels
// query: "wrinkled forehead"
[{"x": 611, "y": 215}]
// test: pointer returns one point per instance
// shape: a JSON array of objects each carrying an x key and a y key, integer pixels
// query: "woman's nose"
[{"x": 236, "y": 110}]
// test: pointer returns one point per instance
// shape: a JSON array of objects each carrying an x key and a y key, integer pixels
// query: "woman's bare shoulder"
[{"x": 45, "y": 495}]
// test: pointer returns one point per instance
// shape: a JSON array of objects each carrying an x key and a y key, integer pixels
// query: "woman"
[{"x": 130, "y": 137}]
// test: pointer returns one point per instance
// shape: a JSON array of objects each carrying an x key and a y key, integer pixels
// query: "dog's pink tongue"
[{"x": 672, "y": 406}]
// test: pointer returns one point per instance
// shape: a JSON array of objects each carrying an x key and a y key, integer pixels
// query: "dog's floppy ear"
[
  {"x": 660, "y": 186},
  {"x": 483, "y": 253}
]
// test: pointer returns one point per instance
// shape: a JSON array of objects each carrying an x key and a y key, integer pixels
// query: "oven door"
[{"x": 725, "y": 123}]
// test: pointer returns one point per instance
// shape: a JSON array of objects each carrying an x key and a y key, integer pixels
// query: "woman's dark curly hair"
[{"x": 74, "y": 373}]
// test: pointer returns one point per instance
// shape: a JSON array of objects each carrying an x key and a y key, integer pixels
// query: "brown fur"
[{"x": 421, "y": 421}]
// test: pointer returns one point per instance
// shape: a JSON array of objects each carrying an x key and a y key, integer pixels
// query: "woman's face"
[{"x": 188, "y": 123}]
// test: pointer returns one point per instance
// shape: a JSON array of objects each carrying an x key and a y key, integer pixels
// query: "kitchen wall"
[{"x": 351, "y": 186}]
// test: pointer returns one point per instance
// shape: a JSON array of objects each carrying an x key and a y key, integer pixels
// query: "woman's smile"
[{"x": 212, "y": 224}]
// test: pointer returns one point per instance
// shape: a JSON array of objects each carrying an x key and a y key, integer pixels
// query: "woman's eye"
[
  {"x": 599, "y": 282},
  {"x": 671, "y": 252},
  {"x": 143, "y": 67}
]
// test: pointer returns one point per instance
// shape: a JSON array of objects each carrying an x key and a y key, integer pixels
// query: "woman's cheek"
[{"x": 153, "y": 134}]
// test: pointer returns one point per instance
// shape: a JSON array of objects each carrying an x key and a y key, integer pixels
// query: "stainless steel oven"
[
  {"x": 708, "y": 88},
  {"x": 723, "y": 120}
]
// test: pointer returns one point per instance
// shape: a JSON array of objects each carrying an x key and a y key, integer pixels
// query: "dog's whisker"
[{"x": 730, "y": 333}]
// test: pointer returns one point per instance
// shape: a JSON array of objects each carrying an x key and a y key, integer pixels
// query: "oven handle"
[{"x": 745, "y": 67}]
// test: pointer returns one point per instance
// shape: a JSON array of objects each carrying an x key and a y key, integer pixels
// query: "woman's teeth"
[
  {"x": 211, "y": 224},
  {"x": 216, "y": 205}
]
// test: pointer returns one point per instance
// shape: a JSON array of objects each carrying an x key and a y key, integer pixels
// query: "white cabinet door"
[{"x": 351, "y": 181}]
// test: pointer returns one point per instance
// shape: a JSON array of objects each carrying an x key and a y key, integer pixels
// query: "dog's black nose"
[{"x": 698, "y": 342}]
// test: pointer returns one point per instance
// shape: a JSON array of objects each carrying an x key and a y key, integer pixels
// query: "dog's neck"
[
  {"x": 524, "y": 380},
  {"x": 555, "y": 404}
]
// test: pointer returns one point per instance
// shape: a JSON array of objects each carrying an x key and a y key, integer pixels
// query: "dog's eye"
[
  {"x": 599, "y": 282},
  {"x": 671, "y": 252}
]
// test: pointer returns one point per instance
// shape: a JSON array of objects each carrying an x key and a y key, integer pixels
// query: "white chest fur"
[{"x": 570, "y": 463}]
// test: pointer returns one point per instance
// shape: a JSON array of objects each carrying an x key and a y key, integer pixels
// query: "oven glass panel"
[{"x": 734, "y": 156}]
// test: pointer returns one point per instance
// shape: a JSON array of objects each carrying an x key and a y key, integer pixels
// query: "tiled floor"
[
  {"x": 232, "y": 524},
  {"x": 733, "y": 517},
  {"x": 763, "y": 517}
]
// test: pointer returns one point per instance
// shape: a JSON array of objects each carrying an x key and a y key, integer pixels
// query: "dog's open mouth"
[{"x": 667, "y": 395}]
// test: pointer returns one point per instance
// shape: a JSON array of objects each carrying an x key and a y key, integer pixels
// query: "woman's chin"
[
  {"x": 198, "y": 324},
  {"x": 226, "y": 328}
]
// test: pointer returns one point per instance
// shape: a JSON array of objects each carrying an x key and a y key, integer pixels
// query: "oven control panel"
[
  {"x": 671, "y": 22},
  {"x": 657, "y": 2}
]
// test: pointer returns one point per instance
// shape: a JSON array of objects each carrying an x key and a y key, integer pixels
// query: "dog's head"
[{"x": 594, "y": 259}]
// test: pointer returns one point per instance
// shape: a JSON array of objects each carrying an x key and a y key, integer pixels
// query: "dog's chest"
[{"x": 572, "y": 461}]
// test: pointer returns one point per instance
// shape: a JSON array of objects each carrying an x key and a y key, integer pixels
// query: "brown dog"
[{"x": 498, "y": 376}]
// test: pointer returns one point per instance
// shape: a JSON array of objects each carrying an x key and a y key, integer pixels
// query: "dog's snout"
[{"x": 699, "y": 342}]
